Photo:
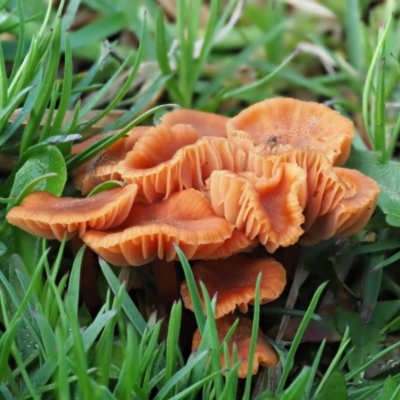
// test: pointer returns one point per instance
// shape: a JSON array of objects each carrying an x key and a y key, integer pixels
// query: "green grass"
[{"x": 60, "y": 82}]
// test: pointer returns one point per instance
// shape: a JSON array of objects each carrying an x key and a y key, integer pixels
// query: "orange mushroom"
[
  {"x": 294, "y": 124},
  {"x": 233, "y": 280},
  {"x": 323, "y": 191},
  {"x": 205, "y": 123},
  {"x": 152, "y": 165},
  {"x": 352, "y": 213},
  {"x": 150, "y": 230},
  {"x": 269, "y": 209},
  {"x": 43, "y": 214},
  {"x": 103, "y": 166},
  {"x": 167, "y": 160},
  {"x": 264, "y": 354}
]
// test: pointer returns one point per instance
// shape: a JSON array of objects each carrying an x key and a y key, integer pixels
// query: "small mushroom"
[
  {"x": 295, "y": 124},
  {"x": 264, "y": 355},
  {"x": 150, "y": 230},
  {"x": 269, "y": 209},
  {"x": 103, "y": 166},
  {"x": 352, "y": 213},
  {"x": 324, "y": 189},
  {"x": 43, "y": 214},
  {"x": 205, "y": 123},
  {"x": 158, "y": 145},
  {"x": 160, "y": 168},
  {"x": 155, "y": 163},
  {"x": 233, "y": 280}
]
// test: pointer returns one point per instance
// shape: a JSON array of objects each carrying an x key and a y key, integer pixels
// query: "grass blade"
[{"x": 297, "y": 339}]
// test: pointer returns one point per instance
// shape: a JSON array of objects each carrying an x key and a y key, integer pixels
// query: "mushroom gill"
[
  {"x": 323, "y": 191},
  {"x": 43, "y": 214},
  {"x": 233, "y": 280},
  {"x": 185, "y": 218},
  {"x": 295, "y": 124},
  {"x": 154, "y": 163},
  {"x": 187, "y": 167},
  {"x": 352, "y": 213},
  {"x": 264, "y": 354},
  {"x": 269, "y": 209}
]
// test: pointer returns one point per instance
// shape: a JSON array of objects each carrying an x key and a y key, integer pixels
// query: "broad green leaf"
[
  {"x": 365, "y": 337},
  {"x": 41, "y": 164},
  {"x": 26, "y": 340},
  {"x": 334, "y": 388},
  {"x": 45, "y": 160},
  {"x": 387, "y": 174},
  {"x": 46, "y": 333}
]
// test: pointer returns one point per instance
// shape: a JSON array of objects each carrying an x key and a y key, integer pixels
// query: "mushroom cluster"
[{"x": 216, "y": 187}]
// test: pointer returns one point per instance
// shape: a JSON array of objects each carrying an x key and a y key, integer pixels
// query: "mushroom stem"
[
  {"x": 167, "y": 281},
  {"x": 7, "y": 162},
  {"x": 88, "y": 284}
]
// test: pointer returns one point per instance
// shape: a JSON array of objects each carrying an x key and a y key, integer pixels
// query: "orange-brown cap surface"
[
  {"x": 103, "y": 166},
  {"x": 297, "y": 124},
  {"x": 264, "y": 354},
  {"x": 180, "y": 166},
  {"x": 323, "y": 190},
  {"x": 233, "y": 280},
  {"x": 353, "y": 211},
  {"x": 205, "y": 123},
  {"x": 185, "y": 218},
  {"x": 238, "y": 242},
  {"x": 43, "y": 214},
  {"x": 154, "y": 164},
  {"x": 269, "y": 209}
]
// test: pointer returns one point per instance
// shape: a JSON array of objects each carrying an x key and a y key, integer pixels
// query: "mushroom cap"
[
  {"x": 159, "y": 145},
  {"x": 352, "y": 213},
  {"x": 267, "y": 208},
  {"x": 234, "y": 280},
  {"x": 150, "y": 230},
  {"x": 43, "y": 214},
  {"x": 103, "y": 166},
  {"x": 205, "y": 123},
  {"x": 155, "y": 162},
  {"x": 323, "y": 190},
  {"x": 184, "y": 164},
  {"x": 297, "y": 124},
  {"x": 236, "y": 243},
  {"x": 265, "y": 355}
]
